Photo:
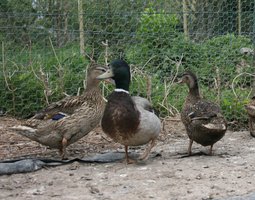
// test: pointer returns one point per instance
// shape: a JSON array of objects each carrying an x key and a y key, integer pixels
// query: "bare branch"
[
  {"x": 233, "y": 82},
  {"x": 4, "y": 72},
  {"x": 106, "y": 56},
  {"x": 44, "y": 78}
]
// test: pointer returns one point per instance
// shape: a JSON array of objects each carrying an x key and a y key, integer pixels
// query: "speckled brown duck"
[
  {"x": 250, "y": 108},
  {"x": 202, "y": 119},
  {"x": 68, "y": 120},
  {"x": 128, "y": 120}
]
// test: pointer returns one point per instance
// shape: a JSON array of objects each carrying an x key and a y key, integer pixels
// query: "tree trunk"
[
  {"x": 58, "y": 21},
  {"x": 253, "y": 39},
  {"x": 81, "y": 29},
  {"x": 66, "y": 8},
  {"x": 239, "y": 17},
  {"x": 185, "y": 18}
]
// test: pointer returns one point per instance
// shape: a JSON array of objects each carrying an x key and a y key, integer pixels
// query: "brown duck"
[
  {"x": 202, "y": 119},
  {"x": 68, "y": 120},
  {"x": 128, "y": 120},
  {"x": 250, "y": 107}
]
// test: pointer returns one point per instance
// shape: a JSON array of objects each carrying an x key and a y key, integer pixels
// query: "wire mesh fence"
[{"x": 45, "y": 45}]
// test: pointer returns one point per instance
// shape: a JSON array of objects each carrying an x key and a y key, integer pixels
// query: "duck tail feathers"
[
  {"x": 212, "y": 126},
  {"x": 24, "y": 130}
]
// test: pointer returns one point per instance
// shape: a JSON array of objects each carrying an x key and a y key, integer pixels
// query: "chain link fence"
[{"x": 46, "y": 45}]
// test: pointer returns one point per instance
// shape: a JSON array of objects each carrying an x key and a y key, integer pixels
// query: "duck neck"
[
  {"x": 194, "y": 94},
  {"x": 91, "y": 84},
  {"x": 122, "y": 85}
]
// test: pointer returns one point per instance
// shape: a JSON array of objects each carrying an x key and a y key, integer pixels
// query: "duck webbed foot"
[{"x": 148, "y": 150}]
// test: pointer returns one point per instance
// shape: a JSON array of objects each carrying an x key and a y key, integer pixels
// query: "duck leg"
[
  {"x": 190, "y": 145},
  {"x": 147, "y": 151},
  {"x": 62, "y": 151},
  {"x": 251, "y": 125},
  {"x": 127, "y": 158},
  {"x": 210, "y": 151}
]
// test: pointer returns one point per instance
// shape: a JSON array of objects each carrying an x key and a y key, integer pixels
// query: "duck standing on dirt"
[
  {"x": 202, "y": 119},
  {"x": 128, "y": 120},
  {"x": 68, "y": 120},
  {"x": 250, "y": 107}
]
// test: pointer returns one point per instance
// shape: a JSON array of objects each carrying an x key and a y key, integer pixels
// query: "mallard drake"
[
  {"x": 70, "y": 119},
  {"x": 202, "y": 119},
  {"x": 128, "y": 120},
  {"x": 250, "y": 107}
]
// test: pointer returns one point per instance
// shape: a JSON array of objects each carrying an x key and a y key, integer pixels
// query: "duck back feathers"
[{"x": 204, "y": 122}]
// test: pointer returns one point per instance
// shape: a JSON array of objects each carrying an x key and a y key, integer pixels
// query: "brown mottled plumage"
[
  {"x": 128, "y": 120},
  {"x": 84, "y": 111},
  {"x": 202, "y": 119},
  {"x": 250, "y": 107}
]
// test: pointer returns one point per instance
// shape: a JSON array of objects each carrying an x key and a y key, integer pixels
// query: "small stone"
[
  {"x": 86, "y": 178},
  {"x": 50, "y": 183},
  {"x": 199, "y": 177},
  {"x": 74, "y": 166}
]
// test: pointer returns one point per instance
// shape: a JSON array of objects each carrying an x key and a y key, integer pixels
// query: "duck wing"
[
  {"x": 142, "y": 102},
  {"x": 150, "y": 124},
  {"x": 64, "y": 106},
  {"x": 205, "y": 114},
  {"x": 51, "y": 132}
]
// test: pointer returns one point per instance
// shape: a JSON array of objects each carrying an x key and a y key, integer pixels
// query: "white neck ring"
[{"x": 121, "y": 90}]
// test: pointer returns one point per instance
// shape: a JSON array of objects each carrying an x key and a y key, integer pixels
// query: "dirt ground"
[{"x": 230, "y": 172}]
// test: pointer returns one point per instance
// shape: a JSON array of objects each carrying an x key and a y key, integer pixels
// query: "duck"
[
  {"x": 250, "y": 108},
  {"x": 203, "y": 120},
  {"x": 128, "y": 120},
  {"x": 68, "y": 120}
]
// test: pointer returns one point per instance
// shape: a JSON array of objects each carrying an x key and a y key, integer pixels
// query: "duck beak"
[{"x": 107, "y": 74}]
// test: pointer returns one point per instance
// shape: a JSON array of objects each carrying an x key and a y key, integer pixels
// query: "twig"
[
  {"x": 168, "y": 87},
  {"x": 148, "y": 87},
  {"x": 169, "y": 110},
  {"x": 232, "y": 84},
  {"x": 105, "y": 44},
  {"x": 148, "y": 61},
  {"x": 5, "y": 76},
  {"x": 55, "y": 54},
  {"x": 59, "y": 69},
  {"x": 218, "y": 84},
  {"x": 6, "y": 81},
  {"x": 178, "y": 64},
  {"x": 44, "y": 78},
  {"x": 90, "y": 57},
  {"x": 106, "y": 139}
]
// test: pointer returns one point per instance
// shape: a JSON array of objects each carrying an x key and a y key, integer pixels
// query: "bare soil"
[{"x": 229, "y": 172}]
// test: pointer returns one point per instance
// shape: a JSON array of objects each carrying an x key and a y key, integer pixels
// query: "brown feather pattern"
[
  {"x": 250, "y": 108},
  {"x": 121, "y": 118},
  {"x": 85, "y": 114},
  {"x": 202, "y": 119}
]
